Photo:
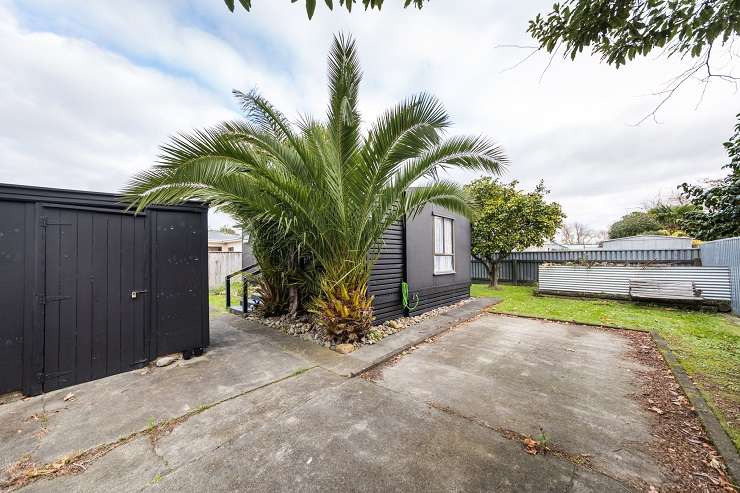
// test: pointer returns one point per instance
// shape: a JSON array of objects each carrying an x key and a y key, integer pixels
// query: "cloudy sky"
[{"x": 88, "y": 90}]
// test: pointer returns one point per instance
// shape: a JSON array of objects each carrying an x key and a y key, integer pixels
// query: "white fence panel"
[
  {"x": 714, "y": 282},
  {"x": 221, "y": 264}
]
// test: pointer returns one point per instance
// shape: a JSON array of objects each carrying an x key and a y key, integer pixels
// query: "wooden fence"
[{"x": 221, "y": 264}]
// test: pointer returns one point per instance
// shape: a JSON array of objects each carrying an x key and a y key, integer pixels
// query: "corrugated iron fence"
[
  {"x": 725, "y": 252},
  {"x": 524, "y": 266},
  {"x": 714, "y": 282}
]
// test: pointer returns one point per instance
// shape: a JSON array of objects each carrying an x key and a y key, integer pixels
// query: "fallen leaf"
[
  {"x": 531, "y": 445},
  {"x": 716, "y": 464},
  {"x": 657, "y": 410},
  {"x": 68, "y": 397}
]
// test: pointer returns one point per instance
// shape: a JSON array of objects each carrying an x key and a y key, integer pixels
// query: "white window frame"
[{"x": 445, "y": 252}]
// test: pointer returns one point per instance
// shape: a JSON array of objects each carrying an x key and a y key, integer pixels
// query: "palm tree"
[{"x": 326, "y": 184}]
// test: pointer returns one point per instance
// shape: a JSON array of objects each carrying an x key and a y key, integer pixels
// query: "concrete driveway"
[{"x": 266, "y": 412}]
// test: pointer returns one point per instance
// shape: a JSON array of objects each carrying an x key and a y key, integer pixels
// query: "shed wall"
[
  {"x": 45, "y": 275},
  {"x": 16, "y": 247}
]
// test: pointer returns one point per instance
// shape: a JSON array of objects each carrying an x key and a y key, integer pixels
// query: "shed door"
[{"x": 93, "y": 327}]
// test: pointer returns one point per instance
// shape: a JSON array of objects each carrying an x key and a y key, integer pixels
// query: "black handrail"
[{"x": 245, "y": 286}]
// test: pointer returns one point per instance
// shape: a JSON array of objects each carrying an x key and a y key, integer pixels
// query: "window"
[
  {"x": 444, "y": 247},
  {"x": 214, "y": 248}
]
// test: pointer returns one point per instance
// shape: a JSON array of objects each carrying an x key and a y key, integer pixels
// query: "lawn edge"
[
  {"x": 567, "y": 321},
  {"x": 720, "y": 438}
]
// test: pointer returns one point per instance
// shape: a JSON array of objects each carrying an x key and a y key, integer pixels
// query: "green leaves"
[
  {"x": 619, "y": 30},
  {"x": 246, "y": 4},
  {"x": 321, "y": 190},
  {"x": 506, "y": 219},
  {"x": 347, "y": 4},
  {"x": 717, "y": 213}
]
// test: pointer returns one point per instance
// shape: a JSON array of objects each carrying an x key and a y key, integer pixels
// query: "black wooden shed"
[{"x": 88, "y": 289}]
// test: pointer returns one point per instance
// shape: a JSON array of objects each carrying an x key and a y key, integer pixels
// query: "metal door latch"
[{"x": 135, "y": 294}]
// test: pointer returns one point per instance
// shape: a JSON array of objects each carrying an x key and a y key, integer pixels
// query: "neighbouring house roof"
[{"x": 219, "y": 237}]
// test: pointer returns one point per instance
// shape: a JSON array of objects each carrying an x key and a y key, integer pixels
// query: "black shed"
[{"x": 88, "y": 289}]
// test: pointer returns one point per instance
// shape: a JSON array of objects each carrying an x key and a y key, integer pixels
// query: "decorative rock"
[
  {"x": 165, "y": 360},
  {"x": 344, "y": 348}
]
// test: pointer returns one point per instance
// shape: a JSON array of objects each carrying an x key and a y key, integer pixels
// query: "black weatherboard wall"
[
  {"x": 434, "y": 290},
  {"x": 88, "y": 290},
  {"x": 407, "y": 255}
]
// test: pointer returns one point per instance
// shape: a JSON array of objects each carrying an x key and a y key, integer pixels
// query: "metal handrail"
[{"x": 245, "y": 287}]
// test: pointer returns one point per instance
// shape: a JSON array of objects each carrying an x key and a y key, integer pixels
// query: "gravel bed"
[{"x": 307, "y": 329}]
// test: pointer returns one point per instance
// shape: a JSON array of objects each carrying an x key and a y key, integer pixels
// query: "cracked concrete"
[{"x": 274, "y": 427}]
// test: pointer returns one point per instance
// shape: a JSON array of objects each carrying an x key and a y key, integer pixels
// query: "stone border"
[
  {"x": 370, "y": 356},
  {"x": 709, "y": 421}
]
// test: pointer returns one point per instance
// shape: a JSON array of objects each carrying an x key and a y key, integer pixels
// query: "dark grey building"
[
  {"x": 437, "y": 258},
  {"x": 88, "y": 289}
]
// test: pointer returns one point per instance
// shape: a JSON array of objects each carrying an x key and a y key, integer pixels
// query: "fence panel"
[
  {"x": 527, "y": 263},
  {"x": 714, "y": 282},
  {"x": 221, "y": 264},
  {"x": 725, "y": 252}
]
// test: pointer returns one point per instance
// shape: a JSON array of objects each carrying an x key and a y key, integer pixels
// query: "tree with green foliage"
[
  {"x": 620, "y": 30},
  {"x": 227, "y": 230},
  {"x": 671, "y": 217},
  {"x": 717, "y": 213},
  {"x": 633, "y": 224},
  {"x": 506, "y": 219},
  {"x": 325, "y": 185},
  {"x": 348, "y": 4}
]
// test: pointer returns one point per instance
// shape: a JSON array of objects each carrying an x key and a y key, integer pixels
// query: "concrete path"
[{"x": 263, "y": 411}]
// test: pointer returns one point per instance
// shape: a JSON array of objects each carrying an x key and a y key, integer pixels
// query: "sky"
[{"x": 89, "y": 90}]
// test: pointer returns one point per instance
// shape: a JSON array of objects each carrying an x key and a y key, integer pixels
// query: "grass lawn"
[
  {"x": 706, "y": 344},
  {"x": 217, "y": 303}
]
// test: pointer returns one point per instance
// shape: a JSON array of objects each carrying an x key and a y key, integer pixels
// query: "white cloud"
[{"x": 91, "y": 103}]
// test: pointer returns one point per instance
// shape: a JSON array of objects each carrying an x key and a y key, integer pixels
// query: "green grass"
[
  {"x": 706, "y": 344},
  {"x": 217, "y": 303}
]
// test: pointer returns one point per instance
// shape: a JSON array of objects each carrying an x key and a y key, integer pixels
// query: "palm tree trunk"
[{"x": 293, "y": 301}]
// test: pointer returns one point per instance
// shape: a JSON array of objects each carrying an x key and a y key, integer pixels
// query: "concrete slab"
[
  {"x": 283, "y": 422},
  {"x": 127, "y": 468},
  {"x": 520, "y": 374},
  {"x": 357, "y": 436},
  {"x": 47, "y": 427}
]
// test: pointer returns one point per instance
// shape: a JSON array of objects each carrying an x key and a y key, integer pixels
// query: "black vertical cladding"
[
  {"x": 388, "y": 273},
  {"x": 14, "y": 247},
  {"x": 179, "y": 289},
  {"x": 69, "y": 263},
  {"x": 90, "y": 269}
]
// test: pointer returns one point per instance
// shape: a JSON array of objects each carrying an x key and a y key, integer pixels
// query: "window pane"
[
  {"x": 442, "y": 263},
  {"x": 448, "y": 236},
  {"x": 438, "y": 235}
]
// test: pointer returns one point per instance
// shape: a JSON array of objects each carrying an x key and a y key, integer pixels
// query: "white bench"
[{"x": 664, "y": 290}]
